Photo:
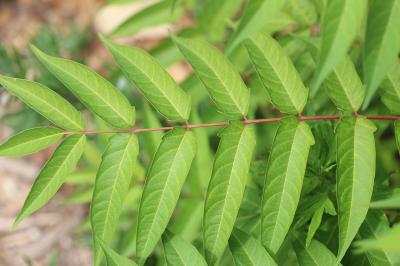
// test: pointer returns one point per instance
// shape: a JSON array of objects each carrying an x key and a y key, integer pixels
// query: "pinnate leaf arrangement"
[{"x": 317, "y": 193}]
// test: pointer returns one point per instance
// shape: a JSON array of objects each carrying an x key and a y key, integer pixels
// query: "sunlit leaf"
[
  {"x": 178, "y": 252},
  {"x": 387, "y": 242},
  {"x": 278, "y": 74},
  {"x": 247, "y": 251},
  {"x": 30, "y": 141},
  {"x": 218, "y": 75},
  {"x": 163, "y": 185},
  {"x": 341, "y": 22},
  {"x": 111, "y": 186},
  {"x": 159, "y": 88},
  {"x": 355, "y": 176},
  {"x": 52, "y": 176},
  {"x": 382, "y": 43},
  {"x": 283, "y": 181},
  {"x": 226, "y": 187},
  {"x": 113, "y": 258},
  {"x": 95, "y": 92},
  {"x": 45, "y": 101}
]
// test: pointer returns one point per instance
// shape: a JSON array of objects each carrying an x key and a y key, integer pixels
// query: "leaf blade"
[
  {"x": 277, "y": 73},
  {"x": 315, "y": 254},
  {"x": 179, "y": 252},
  {"x": 390, "y": 89},
  {"x": 64, "y": 159},
  {"x": 45, "y": 101},
  {"x": 226, "y": 187},
  {"x": 94, "y": 91},
  {"x": 355, "y": 176},
  {"x": 163, "y": 184},
  {"x": 30, "y": 141},
  {"x": 111, "y": 186},
  {"x": 223, "y": 82},
  {"x": 283, "y": 181},
  {"x": 113, "y": 258},
  {"x": 382, "y": 43},
  {"x": 159, "y": 88}
]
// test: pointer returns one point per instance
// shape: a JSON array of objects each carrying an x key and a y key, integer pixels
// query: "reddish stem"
[{"x": 225, "y": 123}]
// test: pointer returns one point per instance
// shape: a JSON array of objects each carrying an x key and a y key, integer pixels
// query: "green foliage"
[
  {"x": 99, "y": 95},
  {"x": 112, "y": 182},
  {"x": 278, "y": 187},
  {"x": 218, "y": 75},
  {"x": 283, "y": 182},
  {"x": 355, "y": 176},
  {"x": 45, "y": 101},
  {"x": 53, "y": 174},
  {"x": 180, "y": 253},
  {"x": 226, "y": 187},
  {"x": 30, "y": 141},
  {"x": 163, "y": 184},
  {"x": 246, "y": 250}
]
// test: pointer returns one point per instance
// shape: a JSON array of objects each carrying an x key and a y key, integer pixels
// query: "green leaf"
[
  {"x": 113, "y": 258},
  {"x": 180, "y": 253},
  {"x": 45, "y": 101},
  {"x": 302, "y": 11},
  {"x": 315, "y": 254},
  {"x": 284, "y": 178},
  {"x": 344, "y": 87},
  {"x": 52, "y": 176},
  {"x": 375, "y": 225},
  {"x": 390, "y": 89},
  {"x": 341, "y": 22},
  {"x": 256, "y": 14},
  {"x": 154, "y": 15},
  {"x": 382, "y": 43},
  {"x": 389, "y": 200},
  {"x": 218, "y": 75},
  {"x": 355, "y": 176},
  {"x": 159, "y": 88},
  {"x": 111, "y": 186},
  {"x": 226, "y": 187},
  {"x": 95, "y": 92},
  {"x": 279, "y": 76},
  {"x": 30, "y": 141},
  {"x": 314, "y": 224},
  {"x": 163, "y": 185},
  {"x": 247, "y": 251}
]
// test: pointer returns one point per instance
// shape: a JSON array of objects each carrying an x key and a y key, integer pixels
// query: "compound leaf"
[
  {"x": 113, "y": 258},
  {"x": 256, "y": 14},
  {"x": 218, "y": 75},
  {"x": 52, "y": 176},
  {"x": 159, "y": 88},
  {"x": 226, "y": 187},
  {"x": 382, "y": 43},
  {"x": 355, "y": 176},
  {"x": 247, "y": 251},
  {"x": 45, "y": 101},
  {"x": 111, "y": 186},
  {"x": 279, "y": 76},
  {"x": 30, "y": 141},
  {"x": 163, "y": 185},
  {"x": 284, "y": 178},
  {"x": 178, "y": 252},
  {"x": 315, "y": 254},
  {"x": 341, "y": 22},
  {"x": 390, "y": 89},
  {"x": 94, "y": 91}
]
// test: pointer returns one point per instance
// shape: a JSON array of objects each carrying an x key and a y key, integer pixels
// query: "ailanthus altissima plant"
[{"x": 305, "y": 168}]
